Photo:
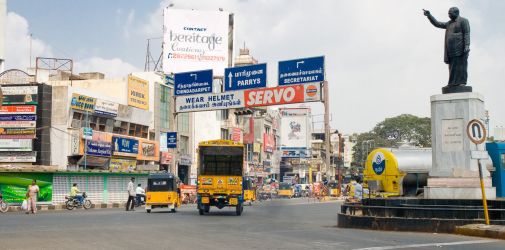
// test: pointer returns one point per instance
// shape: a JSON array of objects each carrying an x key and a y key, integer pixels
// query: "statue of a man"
[{"x": 457, "y": 45}]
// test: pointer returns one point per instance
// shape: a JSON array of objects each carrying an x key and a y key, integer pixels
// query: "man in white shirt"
[
  {"x": 141, "y": 194},
  {"x": 131, "y": 195}
]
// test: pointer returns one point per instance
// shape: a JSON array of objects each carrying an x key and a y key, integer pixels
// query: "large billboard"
[
  {"x": 138, "y": 92},
  {"x": 14, "y": 186},
  {"x": 195, "y": 40},
  {"x": 295, "y": 131}
]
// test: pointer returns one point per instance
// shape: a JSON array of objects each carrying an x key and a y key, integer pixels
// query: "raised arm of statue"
[{"x": 434, "y": 21}]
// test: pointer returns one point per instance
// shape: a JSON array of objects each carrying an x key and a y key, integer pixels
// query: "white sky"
[{"x": 383, "y": 58}]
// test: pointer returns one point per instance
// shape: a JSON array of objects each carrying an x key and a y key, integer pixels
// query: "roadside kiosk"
[{"x": 497, "y": 152}]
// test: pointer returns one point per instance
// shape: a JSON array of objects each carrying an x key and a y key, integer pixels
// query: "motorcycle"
[
  {"x": 72, "y": 202},
  {"x": 139, "y": 201}
]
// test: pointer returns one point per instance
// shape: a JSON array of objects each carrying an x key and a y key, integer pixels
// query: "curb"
[
  {"x": 482, "y": 230},
  {"x": 62, "y": 207}
]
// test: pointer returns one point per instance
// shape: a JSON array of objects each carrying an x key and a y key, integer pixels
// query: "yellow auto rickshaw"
[
  {"x": 162, "y": 191},
  {"x": 285, "y": 190},
  {"x": 334, "y": 189},
  {"x": 249, "y": 190}
]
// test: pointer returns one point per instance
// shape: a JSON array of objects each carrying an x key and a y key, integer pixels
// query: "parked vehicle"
[
  {"x": 285, "y": 190},
  {"x": 4, "y": 207},
  {"x": 72, "y": 202}
]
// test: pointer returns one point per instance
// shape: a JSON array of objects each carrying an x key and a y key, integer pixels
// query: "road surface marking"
[{"x": 430, "y": 245}]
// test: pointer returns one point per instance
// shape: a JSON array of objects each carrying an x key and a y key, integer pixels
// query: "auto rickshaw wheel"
[
  {"x": 200, "y": 211},
  {"x": 148, "y": 211},
  {"x": 239, "y": 209},
  {"x": 173, "y": 210},
  {"x": 206, "y": 208}
]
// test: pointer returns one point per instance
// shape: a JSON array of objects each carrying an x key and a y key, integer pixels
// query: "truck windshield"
[{"x": 221, "y": 160}]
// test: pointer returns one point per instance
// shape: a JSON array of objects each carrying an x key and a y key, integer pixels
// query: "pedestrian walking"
[
  {"x": 31, "y": 195},
  {"x": 131, "y": 195}
]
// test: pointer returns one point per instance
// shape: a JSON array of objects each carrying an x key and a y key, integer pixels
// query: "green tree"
[{"x": 413, "y": 130}]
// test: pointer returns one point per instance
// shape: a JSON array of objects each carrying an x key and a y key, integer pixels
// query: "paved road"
[{"x": 279, "y": 224}]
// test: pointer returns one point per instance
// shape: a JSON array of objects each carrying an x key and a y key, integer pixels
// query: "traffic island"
[
  {"x": 418, "y": 215},
  {"x": 482, "y": 230}
]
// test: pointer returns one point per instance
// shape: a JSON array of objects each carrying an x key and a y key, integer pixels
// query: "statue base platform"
[
  {"x": 458, "y": 188},
  {"x": 449, "y": 89}
]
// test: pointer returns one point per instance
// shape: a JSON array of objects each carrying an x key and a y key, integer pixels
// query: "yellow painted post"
[
  {"x": 484, "y": 201},
  {"x": 310, "y": 173}
]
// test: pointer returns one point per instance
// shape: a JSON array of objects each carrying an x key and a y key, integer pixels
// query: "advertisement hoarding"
[
  {"x": 195, "y": 40},
  {"x": 82, "y": 102},
  {"x": 18, "y": 109},
  {"x": 20, "y": 99},
  {"x": 236, "y": 134},
  {"x": 125, "y": 146},
  {"x": 171, "y": 140},
  {"x": 268, "y": 142},
  {"x": 166, "y": 158},
  {"x": 18, "y": 117},
  {"x": 294, "y": 132},
  {"x": 103, "y": 107},
  {"x": 282, "y": 95},
  {"x": 17, "y": 124},
  {"x": 204, "y": 102},
  {"x": 19, "y": 90},
  {"x": 17, "y": 131},
  {"x": 18, "y": 156},
  {"x": 13, "y": 186},
  {"x": 138, "y": 92},
  {"x": 16, "y": 145},
  {"x": 122, "y": 165},
  {"x": 97, "y": 148},
  {"x": 149, "y": 151}
]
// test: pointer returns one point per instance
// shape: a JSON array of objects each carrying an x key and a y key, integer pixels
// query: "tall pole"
[
  {"x": 173, "y": 126},
  {"x": 327, "y": 125}
]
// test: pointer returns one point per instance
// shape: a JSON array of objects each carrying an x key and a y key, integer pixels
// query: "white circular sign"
[{"x": 476, "y": 131}]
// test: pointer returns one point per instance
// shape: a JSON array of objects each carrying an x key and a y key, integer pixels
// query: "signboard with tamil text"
[
  {"x": 302, "y": 70},
  {"x": 82, "y": 102},
  {"x": 18, "y": 117},
  {"x": 16, "y": 145},
  {"x": 195, "y": 82},
  {"x": 17, "y": 124},
  {"x": 204, "y": 102},
  {"x": 103, "y": 107},
  {"x": 18, "y": 109},
  {"x": 18, "y": 156},
  {"x": 97, "y": 148},
  {"x": 245, "y": 77},
  {"x": 122, "y": 165}
]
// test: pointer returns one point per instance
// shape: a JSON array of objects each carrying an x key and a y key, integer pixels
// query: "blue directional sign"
[
  {"x": 301, "y": 70},
  {"x": 245, "y": 77},
  {"x": 195, "y": 82},
  {"x": 171, "y": 139}
]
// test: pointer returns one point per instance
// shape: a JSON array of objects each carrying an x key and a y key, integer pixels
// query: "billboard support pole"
[
  {"x": 173, "y": 126},
  {"x": 327, "y": 127}
]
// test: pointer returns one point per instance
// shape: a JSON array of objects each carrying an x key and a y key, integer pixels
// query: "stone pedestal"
[{"x": 454, "y": 175}]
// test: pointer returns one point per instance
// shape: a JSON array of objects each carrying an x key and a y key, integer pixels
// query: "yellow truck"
[{"x": 220, "y": 171}]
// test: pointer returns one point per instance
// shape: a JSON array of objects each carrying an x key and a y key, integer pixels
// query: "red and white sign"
[
  {"x": 236, "y": 135},
  {"x": 273, "y": 96},
  {"x": 17, "y": 124},
  {"x": 269, "y": 143},
  {"x": 282, "y": 95},
  {"x": 18, "y": 109}
]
